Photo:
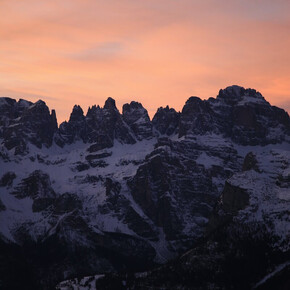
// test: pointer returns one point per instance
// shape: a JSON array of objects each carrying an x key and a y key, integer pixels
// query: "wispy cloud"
[{"x": 99, "y": 52}]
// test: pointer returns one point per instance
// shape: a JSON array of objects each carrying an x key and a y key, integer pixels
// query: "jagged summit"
[
  {"x": 166, "y": 109},
  {"x": 234, "y": 94},
  {"x": 93, "y": 111},
  {"x": 40, "y": 103},
  {"x": 110, "y": 104},
  {"x": 24, "y": 122},
  {"x": 77, "y": 114},
  {"x": 195, "y": 105},
  {"x": 240, "y": 114},
  {"x": 137, "y": 118},
  {"x": 24, "y": 103},
  {"x": 165, "y": 121},
  {"x": 132, "y": 105},
  {"x": 232, "y": 91}
]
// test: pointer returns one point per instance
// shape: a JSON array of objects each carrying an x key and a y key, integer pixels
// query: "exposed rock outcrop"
[
  {"x": 38, "y": 187},
  {"x": 24, "y": 122},
  {"x": 250, "y": 162},
  {"x": 100, "y": 127},
  {"x": 166, "y": 121},
  {"x": 138, "y": 120},
  {"x": 7, "y": 178},
  {"x": 73, "y": 130},
  {"x": 197, "y": 117},
  {"x": 248, "y": 251}
]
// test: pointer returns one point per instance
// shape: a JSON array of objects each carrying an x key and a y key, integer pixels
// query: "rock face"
[
  {"x": 247, "y": 246},
  {"x": 73, "y": 130},
  {"x": 100, "y": 127},
  {"x": 197, "y": 117},
  {"x": 37, "y": 185},
  {"x": 254, "y": 121},
  {"x": 116, "y": 192},
  {"x": 10, "y": 109},
  {"x": 172, "y": 177},
  {"x": 7, "y": 179},
  {"x": 234, "y": 198},
  {"x": 250, "y": 162},
  {"x": 138, "y": 120},
  {"x": 238, "y": 113},
  {"x": 24, "y": 122},
  {"x": 166, "y": 121}
]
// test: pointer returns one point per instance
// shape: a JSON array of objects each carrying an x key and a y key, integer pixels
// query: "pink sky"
[{"x": 156, "y": 52}]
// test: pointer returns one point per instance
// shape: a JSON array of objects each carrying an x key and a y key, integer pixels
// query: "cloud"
[{"x": 100, "y": 52}]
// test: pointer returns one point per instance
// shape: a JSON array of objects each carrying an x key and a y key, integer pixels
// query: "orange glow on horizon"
[{"x": 156, "y": 52}]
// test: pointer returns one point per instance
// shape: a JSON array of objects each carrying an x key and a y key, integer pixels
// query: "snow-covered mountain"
[
  {"x": 109, "y": 192},
  {"x": 247, "y": 240}
]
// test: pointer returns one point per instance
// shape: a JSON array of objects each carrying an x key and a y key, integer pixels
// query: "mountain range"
[{"x": 197, "y": 199}]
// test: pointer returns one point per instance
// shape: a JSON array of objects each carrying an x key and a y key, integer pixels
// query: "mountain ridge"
[
  {"x": 244, "y": 108},
  {"x": 110, "y": 191}
]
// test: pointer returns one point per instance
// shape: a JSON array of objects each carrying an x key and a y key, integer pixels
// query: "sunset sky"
[{"x": 157, "y": 52}]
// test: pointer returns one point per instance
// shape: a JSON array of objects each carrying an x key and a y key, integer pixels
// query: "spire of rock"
[
  {"x": 136, "y": 116},
  {"x": 28, "y": 122},
  {"x": 73, "y": 130},
  {"x": 196, "y": 117},
  {"x": 110, "y": 104},
  {"x": 166, "y": 121},
  {"x": 77, "y": 114},
  {"x": 53, "y": 119}
]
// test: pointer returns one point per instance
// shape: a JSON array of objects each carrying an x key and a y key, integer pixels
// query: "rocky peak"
[
  {"x": 132, "y": 106},
  {"x": 110, "y": 104},
  {"x": 77, "y": 114},
  {"x": 23, "y": 103},
  {"x": 38, "y": 120},
  {"x": 27, "y": 122},
  {"x": 136, "y": 116},
  {"x": 36, "y": 111},
  {"x": 237, "y": 113},
  {"x": 235, "y": 94},
  {"x": 246, "y": 117},
  {"x": 39, "y": 103},
  {"x": 99, "y": 127},
  {"x": 134, "y": 111},
  {"x": 166, "y": 121},
  {"x": 93, "y": 111},
  {"x": 113, "y": 126},
  {"x": 73, "y": 130},
  {"x": 10, "y": 109},
  {"x": 5, "y": 101},
  {"x": 6, "y": 111},
  {"x": 53, "y": 118},
  {"x": 197, "y": 117},
  {"x": 229, "y": 92},
  {"x": 94, "y": 118},
  {"x": 194, "y": 105}
]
